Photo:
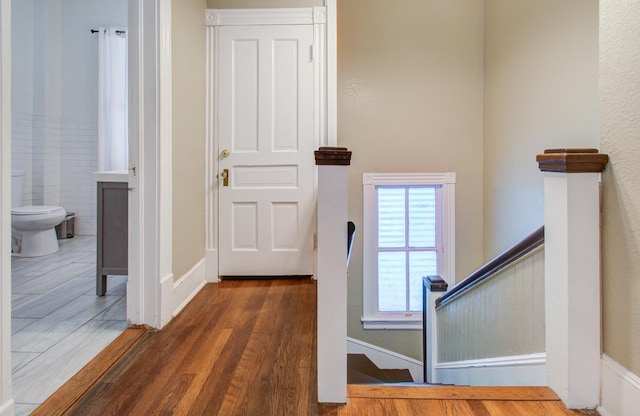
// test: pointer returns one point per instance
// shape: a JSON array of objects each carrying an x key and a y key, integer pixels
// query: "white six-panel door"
[{"x": 266, "y": 182}]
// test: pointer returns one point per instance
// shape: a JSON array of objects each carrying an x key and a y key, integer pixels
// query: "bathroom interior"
[{"x": 58, "y": 322}]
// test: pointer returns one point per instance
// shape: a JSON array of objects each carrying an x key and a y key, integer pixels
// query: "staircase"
[{"x": 361, "y": 370}]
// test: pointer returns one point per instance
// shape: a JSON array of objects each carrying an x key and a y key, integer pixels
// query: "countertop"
[{"x": 111, "y": 176}]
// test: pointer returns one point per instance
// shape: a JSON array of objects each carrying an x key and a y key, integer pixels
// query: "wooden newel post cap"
[
  {"x": 576, "y": 160},
  {"x": 338, "y": 156},
  {"x": 435, "y": 283}
]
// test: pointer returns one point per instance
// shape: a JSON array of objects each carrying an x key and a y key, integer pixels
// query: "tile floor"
[{"x": 58, "y": 323}]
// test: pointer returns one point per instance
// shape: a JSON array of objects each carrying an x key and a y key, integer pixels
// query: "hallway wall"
[
  {"x": 620, "y": 131},
  {"x": 540, "y": 92},
  {"x": 410, "y": 100},
  {"x": 188, "y": 153}
]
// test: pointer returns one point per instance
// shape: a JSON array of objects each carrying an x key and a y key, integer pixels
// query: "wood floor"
[{"x": 248, "y": 348}]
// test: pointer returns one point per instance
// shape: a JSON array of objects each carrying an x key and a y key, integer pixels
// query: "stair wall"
[{"x": 497, "y": 325}]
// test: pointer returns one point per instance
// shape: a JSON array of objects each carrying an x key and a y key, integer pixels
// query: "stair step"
[
  {"x": 357, "y": 377},
  {"x": 363, "y": 365},
  {"x": 361, "y": 370},
  {"x": 398, "y": 375},
  {"x": 417, "y": 391}
]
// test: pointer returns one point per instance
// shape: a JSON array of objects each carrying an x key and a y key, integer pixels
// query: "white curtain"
[{"x": 113, "y": 148}]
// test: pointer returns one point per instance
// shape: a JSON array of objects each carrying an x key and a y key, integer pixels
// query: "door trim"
[
  {"x": 250, "y": 17},
  {"x": 6, "y": 399},
  {"x": 150, "y": 283},
  {"x": 324, "y": 80}
]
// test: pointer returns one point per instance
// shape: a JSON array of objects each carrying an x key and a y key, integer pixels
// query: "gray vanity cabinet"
[{"x": 113, "y": 201}]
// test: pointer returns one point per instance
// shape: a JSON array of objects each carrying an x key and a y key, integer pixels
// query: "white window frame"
[{"x": 372, "y": 318}]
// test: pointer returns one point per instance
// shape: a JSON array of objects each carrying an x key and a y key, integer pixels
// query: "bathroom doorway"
[
  {"x": 149, "y": 242},
  {"x": 58, "y": 323}
]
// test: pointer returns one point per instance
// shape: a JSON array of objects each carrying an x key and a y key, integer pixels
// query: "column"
[
  {"x": 333, "y": 163},
  {"x": 572, "y": 273},
  {"x": 432, "y": 288}
]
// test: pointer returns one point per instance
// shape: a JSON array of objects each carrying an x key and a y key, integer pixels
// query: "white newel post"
[
  {"x": 333, "y": 163},
  {"x": 572, "y": 273},
  {"x": 432, "y": 288}
]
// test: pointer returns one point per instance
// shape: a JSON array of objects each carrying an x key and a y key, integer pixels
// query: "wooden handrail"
[{"x": 529, "y": 243}]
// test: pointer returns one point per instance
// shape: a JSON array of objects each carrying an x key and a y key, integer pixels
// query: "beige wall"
[
  {"x": 261, "y": 4},
  {"x": 410, "y": 100},
  {"x": 541, "y": 91},
  {"x": 620, "y": 138},
  {"x": 188, "y": 66}
]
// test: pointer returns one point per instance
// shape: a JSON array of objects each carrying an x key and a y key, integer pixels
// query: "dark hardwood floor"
[{"x": 248, "y": 348}]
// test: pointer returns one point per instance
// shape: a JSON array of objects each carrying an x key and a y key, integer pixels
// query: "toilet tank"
[{"x": 17, "y": 185}]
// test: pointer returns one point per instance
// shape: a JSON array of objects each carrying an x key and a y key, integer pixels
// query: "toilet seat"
[{"x": 36, "y": 210}]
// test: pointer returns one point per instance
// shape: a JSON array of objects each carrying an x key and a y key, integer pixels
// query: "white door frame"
[
  {"x": 324, "y": 29},
  {"x": 6, "y": 396},
  {"x": 150, "y": 283}
]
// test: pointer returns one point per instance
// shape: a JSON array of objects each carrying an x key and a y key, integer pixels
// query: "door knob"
[
  {"x": 225, "y": 153},
  {"x": 225, "y": 177}
]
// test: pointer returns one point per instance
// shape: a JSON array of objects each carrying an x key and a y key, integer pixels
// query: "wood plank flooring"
[
  {"x": 235, "y": 342},
  {"x": 248, "y": 348}
]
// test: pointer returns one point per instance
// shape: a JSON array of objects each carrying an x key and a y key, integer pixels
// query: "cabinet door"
[{"x": 113, "y": 227}]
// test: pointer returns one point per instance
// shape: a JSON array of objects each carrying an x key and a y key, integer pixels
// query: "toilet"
[{"x": 33, "y": 226}]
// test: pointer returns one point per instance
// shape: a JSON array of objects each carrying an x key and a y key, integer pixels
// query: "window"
[{"x": 408, "y": 233}]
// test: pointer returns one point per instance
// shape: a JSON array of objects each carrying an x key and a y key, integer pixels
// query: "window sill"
[{"x": 386, "y": 323}]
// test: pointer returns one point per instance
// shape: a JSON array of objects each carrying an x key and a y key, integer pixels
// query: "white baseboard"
[
  {"x": 7, "y": 408},
  {"x": 211, "y": 269},
  {"x": 520, "y": 370},
  {"x": 166, "y": 300},
  {"x": 185, "y": 288},
  {"x": 386, "y": 359},
  {"x": 620, "y": 392}
]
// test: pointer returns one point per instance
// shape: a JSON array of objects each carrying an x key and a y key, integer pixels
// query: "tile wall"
[{"x": 58, "y": 156}]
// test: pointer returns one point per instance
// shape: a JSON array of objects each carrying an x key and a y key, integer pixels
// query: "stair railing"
[
  {"x": 519, "y": 250},
  {"x": 434, "y": 286},
  {"x": 572, "y": 337}
]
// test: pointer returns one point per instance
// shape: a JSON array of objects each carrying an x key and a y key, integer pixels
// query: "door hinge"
[
  {"x": 315, "y": 241},
  {"x": 311, "y": 53}
]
